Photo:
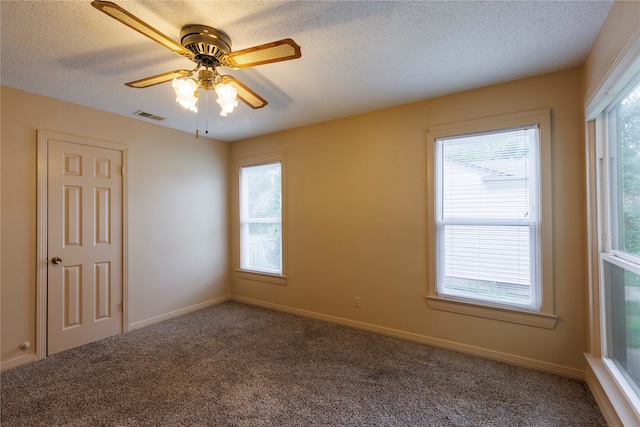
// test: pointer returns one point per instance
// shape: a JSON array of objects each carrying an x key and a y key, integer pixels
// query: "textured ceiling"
[{"x": 357, "y": 56}]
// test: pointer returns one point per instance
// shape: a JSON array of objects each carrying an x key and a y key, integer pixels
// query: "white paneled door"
[{"x": 85, "y": 250}]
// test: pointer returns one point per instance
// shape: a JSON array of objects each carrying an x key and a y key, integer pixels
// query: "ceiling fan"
[{"x": 209, "y": 48}]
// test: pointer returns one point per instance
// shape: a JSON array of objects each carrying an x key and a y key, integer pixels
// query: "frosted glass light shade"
[
  {"x": 227, "y": 98},
  {"x": 186, "y": 93}
]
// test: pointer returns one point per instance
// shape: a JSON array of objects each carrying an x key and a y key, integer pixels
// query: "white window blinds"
[
  {"x": 487, "y": 216},
  {"x": 261, "y": 218}
]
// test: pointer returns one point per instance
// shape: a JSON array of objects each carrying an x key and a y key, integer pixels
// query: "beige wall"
[
  {"x": 357, "y": 191},
  {"x": 178, "y": 198}
]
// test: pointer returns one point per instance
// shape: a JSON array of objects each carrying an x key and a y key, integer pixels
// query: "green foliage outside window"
[{"x": 629, "y": 125}]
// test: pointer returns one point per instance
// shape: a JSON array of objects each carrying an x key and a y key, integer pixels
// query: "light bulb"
[
  {"x": 227, "y": 98},
  {"x": 186, "y": 93}
]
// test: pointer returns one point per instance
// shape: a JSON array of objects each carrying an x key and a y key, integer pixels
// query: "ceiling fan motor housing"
[{"x": 208, "y": 44}]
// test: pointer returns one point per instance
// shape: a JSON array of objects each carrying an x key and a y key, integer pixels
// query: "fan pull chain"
[
  {"x": 207, "y": 113},
  {"x": 197, "y": 121}
]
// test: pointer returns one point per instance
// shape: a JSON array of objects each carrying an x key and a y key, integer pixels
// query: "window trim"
[
  {"x": 260, "y": 276},
  {"x": 545, "y": 318},
  {"x": 531, "y": 222},
  {"x": 618, "y": 404},
  {"x": 620, "y": 396}
]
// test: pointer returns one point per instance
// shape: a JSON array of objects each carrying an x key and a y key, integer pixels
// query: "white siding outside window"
[{"x": 487, "y": 202}]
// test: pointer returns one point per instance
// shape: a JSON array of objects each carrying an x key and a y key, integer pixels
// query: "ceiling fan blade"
[
  {"x": 245, "y": 94},
  {"x": 282, "y": 50},
  {"x": 118, "y": 13},
  {"x": 160, "y": 78}
]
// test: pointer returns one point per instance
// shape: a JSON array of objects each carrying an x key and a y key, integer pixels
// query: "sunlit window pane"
[
  {"x": 261, "y": 218},
  {"x": 487, "y": 216},
  {"x": 623, "y": 294},
  {"x": 624, "y": 179},
  {"x": 621, "y": 235}
]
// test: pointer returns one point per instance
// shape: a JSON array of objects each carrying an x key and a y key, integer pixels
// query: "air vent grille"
[{"x": 147, "y": 115}]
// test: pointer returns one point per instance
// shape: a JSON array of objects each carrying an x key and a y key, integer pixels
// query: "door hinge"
[
  {"x": 122, "y": 170},
  {"x": 121, "y": 306}
]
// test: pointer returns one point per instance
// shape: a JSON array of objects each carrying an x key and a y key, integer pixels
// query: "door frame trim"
[{"x": 42, "y": 261}]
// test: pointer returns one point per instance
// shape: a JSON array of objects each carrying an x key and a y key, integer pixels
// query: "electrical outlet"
[{"x": 356, "y": 302}]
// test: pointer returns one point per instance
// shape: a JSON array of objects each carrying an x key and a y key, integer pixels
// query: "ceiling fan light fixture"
[
  {"x": 186, "y": 93},
  {"x": 227, "y": 98},
  {"x": 209, "y": 48}
]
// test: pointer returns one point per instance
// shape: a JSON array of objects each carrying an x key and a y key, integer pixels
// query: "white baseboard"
[
  {"x": 449, "y": 345},
  {"x": 176, "y": 313},
  {"x": 23, "y": 360},
  {"x": 525, "y": 362},
  {"x": 18, "y": 361}
]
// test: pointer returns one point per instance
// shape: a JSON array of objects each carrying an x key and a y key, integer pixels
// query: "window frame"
[
  {"x": 545, "y": 317},
  {"x": 621, "y": 394},
  {"x": 255, "y": 275}
]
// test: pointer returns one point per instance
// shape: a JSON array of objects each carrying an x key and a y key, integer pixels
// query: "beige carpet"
[{"x": 238, "y": 365}]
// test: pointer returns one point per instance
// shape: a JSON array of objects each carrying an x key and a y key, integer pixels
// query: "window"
[
  {"x": 487, "y": 216},
  {"x": 620, "y": 256},
  {"x": 490, "y": 227},
  {"x": 624, "y": 173},
  {"x": 613, "y": 190},
  {"x": 261, "y": 217}
]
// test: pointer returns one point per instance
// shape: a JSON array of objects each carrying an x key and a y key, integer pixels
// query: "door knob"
[{"x": 56, "y": 260}]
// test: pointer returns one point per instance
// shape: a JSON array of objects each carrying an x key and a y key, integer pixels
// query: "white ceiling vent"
[{"x": 147, "y": 115}]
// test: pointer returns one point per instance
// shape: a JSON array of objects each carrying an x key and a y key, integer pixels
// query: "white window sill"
[
  {"x": 530, "y": 318},
  {"x": 261, "y": 277},
  {"x": 620, "y": 404}
]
